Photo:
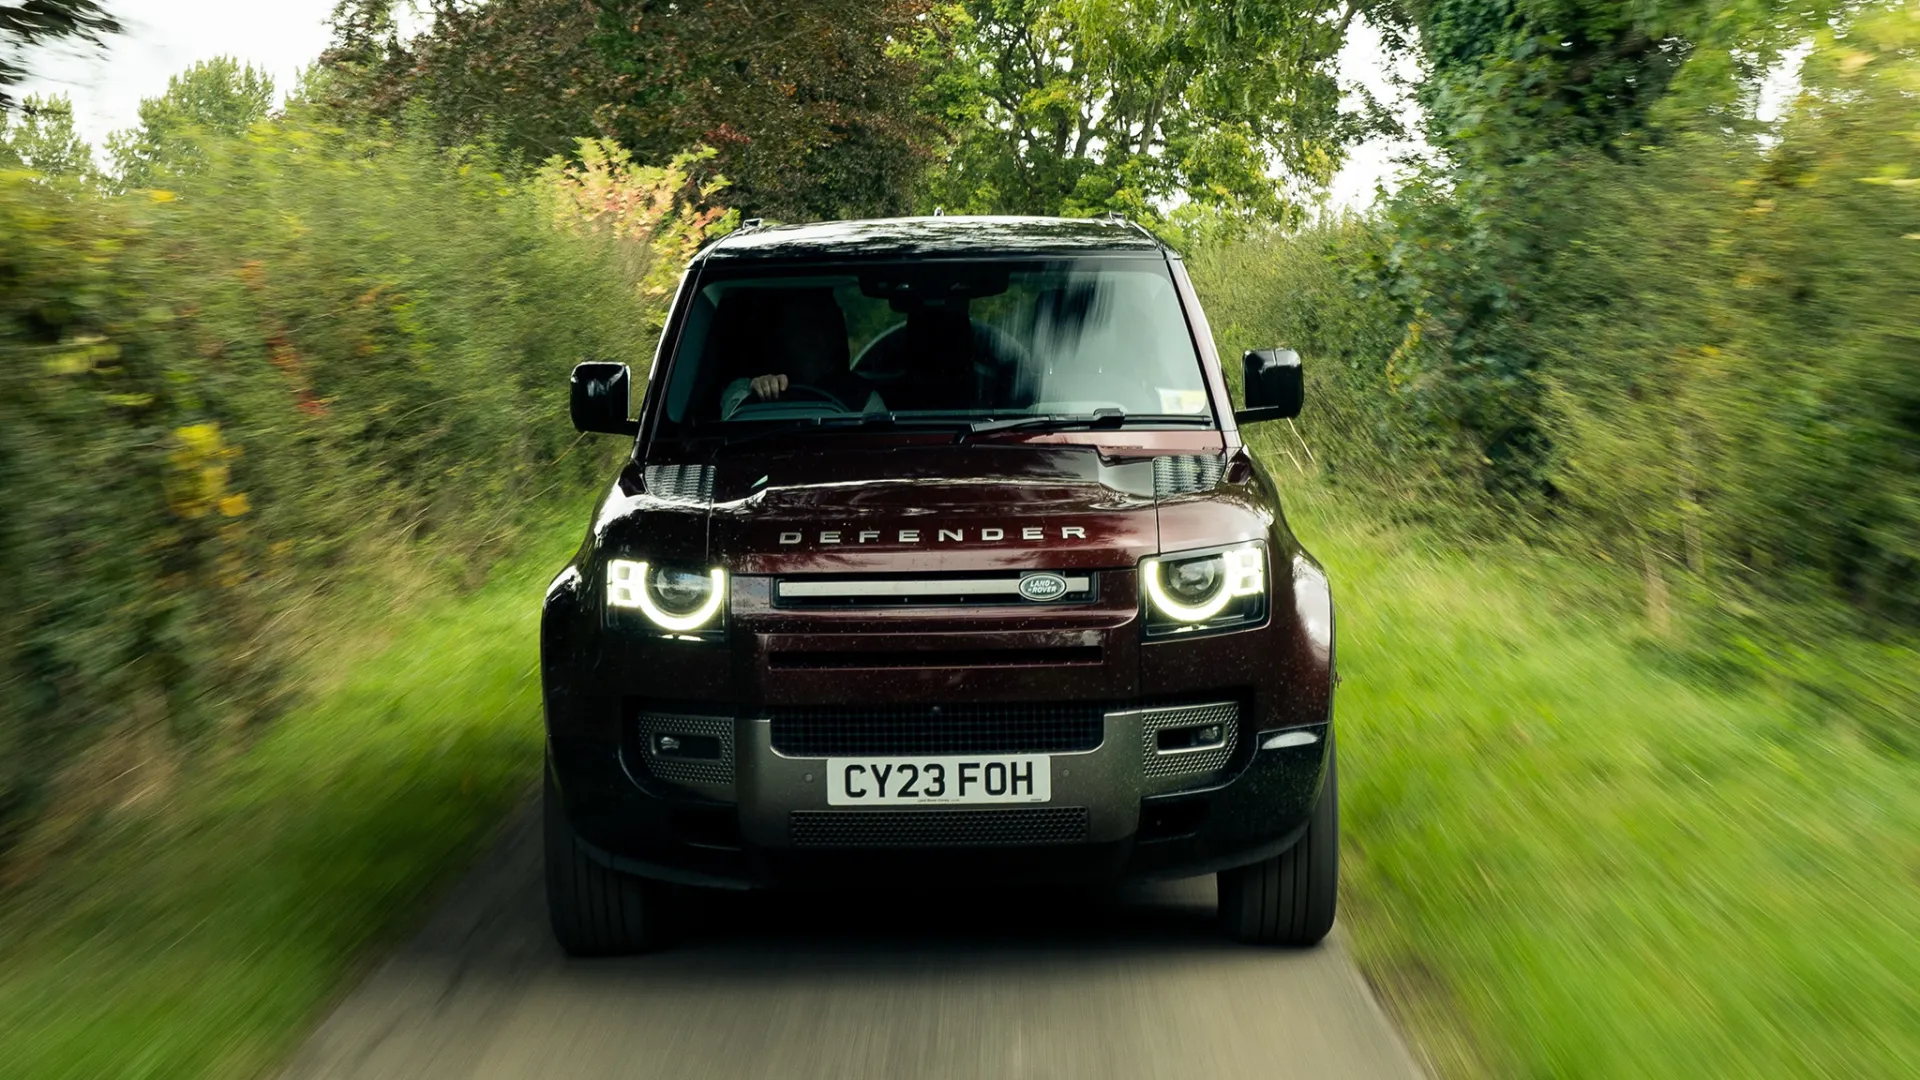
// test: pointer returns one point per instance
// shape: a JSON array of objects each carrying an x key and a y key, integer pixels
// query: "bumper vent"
[
  {"x": 938, "y": 828},
  {"x": 689, "y": 748},
  {"x": 692, "y": 482},
  {"x": 1185, "y": 474},
  {"x": 1192, "y": 751},
  {"x": 1051, "y": 728}
]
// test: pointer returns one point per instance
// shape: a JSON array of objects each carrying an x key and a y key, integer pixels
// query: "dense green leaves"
[
  {"x": 1520, "y": 97},
  {"x": 845, "y": 108},
  {"x": 807, "y": 104},
  {"x": 807, "y": 101},
  {"x": 313, "y": 356},
  {"x": 1081, "y": 106},
  {"x": 1684, "y": 347}
]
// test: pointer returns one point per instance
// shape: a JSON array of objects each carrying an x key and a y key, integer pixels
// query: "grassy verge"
[
  {"x": 200, "y": 937},
  {"x": 1568, "y": 859}
]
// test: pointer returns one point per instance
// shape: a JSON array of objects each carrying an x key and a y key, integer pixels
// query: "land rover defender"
[{"x": 939, "y": 560}]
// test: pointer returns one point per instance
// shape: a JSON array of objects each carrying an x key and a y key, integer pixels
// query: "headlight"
[
  {"x": 672, "y": 598},
  {"x": 1204, "y": 591}
]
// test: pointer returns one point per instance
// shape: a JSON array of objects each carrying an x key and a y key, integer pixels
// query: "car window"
[{"x": 953, "y": 337}]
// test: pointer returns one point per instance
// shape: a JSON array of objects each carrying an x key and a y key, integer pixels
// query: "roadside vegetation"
[
  {"x": 295, "y": 357},
  {"x": 1612, "y": 452},
  {"x": 1613, "y": 447},
  {"x": 204, "y": 928},
  {"x": 1569, "y": 854}
]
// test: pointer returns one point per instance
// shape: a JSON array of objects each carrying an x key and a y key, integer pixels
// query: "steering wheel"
[
  {"x": 801, "y": 391},
  {"x": 797, "y": 400},
  {"x": 1006, "y": 350}
]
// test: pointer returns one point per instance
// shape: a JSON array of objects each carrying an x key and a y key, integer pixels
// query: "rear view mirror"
[
  {"x": 599, "y": 398},
  {"x": 1275, "y": 387}
]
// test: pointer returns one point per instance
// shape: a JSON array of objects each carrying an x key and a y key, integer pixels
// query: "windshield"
[{"x": 965, "y": 341}]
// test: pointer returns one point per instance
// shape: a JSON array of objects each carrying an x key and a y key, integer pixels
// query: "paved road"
[{"x": 1027, "y": 986}]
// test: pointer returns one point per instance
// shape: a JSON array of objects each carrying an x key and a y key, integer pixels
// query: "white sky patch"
[
  {"x": 1364, "y": 60},
  {"x": 1781, "y": 84},
  {"x": 165, "y": 37}
]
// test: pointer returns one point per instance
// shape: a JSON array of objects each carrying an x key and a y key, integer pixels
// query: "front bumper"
[
  {"x": 1098, "y": 827},
  {"x": 764, "y": 820}
]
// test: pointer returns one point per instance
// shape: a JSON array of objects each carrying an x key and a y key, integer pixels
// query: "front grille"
[
  {"x": 975, "y": 589},
  {"x": 832, "y": 731},
  {"x": 938, "y": 828},
  {"x": 716, "y": 770},
  {"x": 1188, "y": 762},
  {"x": 935, "y": 658}
]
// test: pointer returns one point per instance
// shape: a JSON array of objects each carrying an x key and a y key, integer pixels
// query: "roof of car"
[{"x": 933, "y": 236}]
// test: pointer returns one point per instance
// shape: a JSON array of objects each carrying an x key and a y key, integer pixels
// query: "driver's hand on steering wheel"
[{"x": 769, "y": 387}]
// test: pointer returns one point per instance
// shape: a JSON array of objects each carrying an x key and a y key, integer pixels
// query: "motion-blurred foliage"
[
  {"x": 1690, "y": 353},
  {"x": 660, "y": 216},
  {"x": 311, "y": 356}
]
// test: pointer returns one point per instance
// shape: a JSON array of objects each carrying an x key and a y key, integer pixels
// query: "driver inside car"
[{"x": 809, "y": 333}]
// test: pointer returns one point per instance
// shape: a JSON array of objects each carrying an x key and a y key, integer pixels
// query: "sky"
[{"x": 164, "y": 37}]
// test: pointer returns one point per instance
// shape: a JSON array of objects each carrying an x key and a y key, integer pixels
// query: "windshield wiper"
[
  {"x": 831, "y": 423},
  {"x": 1097, "y": 420}
]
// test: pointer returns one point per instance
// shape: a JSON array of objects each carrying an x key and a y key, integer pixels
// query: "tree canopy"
[
  {"x": 1522, "y": 99},
  {"x": 1079, "y": 106},
  {"x": 220, "y": 96},
  {"x": 42, "y": 138},
  {"x": 806, "y": 103}
]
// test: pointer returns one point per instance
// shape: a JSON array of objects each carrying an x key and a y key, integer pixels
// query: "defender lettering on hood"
[{"x": 986, "y": 535}]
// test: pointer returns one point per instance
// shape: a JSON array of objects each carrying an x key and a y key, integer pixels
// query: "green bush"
[
  {"x": 1316, "y": 291},
  {"x": 1693, "y": 361},
  {"x": 1715, "y": 342},
  {"x": 318, "y": 355}
]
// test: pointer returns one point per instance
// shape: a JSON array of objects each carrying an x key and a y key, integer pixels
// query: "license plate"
[{"x": 917, "y": 781}]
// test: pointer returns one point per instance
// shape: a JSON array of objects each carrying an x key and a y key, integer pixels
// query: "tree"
[
  {"x": 1528, "y": 101},
  {"x": 523, "y": 74},
  {"x": 807, "y": 102},
  {"x": 219, "y": 96},
  {"x": 37, "y": 22},
  {"x": 810, "y": 103},
  {"x": 43, "y": 139},
  {"x": 1079, "y": 106}
]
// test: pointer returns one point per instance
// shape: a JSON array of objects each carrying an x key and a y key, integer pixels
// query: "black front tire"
[
  {"x": 1290, "y": 898},
  {"x": 595, "y": 910}
]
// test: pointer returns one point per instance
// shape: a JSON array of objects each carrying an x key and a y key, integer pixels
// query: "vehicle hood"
[{"x": 931, "y": 508}]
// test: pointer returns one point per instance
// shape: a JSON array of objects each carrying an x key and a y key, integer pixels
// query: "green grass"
[
  {"x": 1566, "y": 859},
  {"x": 201, "y": 938}
]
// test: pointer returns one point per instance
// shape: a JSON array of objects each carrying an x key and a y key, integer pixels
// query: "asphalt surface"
[{"x": 1031, "y": 985}]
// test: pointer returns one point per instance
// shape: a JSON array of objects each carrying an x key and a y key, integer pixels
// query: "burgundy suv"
[{"x": 939, "y": 560}]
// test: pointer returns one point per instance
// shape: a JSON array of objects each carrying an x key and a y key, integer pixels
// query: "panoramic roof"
[{"x": 934, "y": 236}]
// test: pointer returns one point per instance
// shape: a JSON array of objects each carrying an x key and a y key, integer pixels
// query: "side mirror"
[
  {"x": 1275, "y": 388},
  {"x": 599, "y": 398}
]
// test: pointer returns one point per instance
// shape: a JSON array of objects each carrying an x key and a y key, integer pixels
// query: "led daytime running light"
[
  {"x": 1245, "y": 577},
  {"x": 627, "y": 588}
]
